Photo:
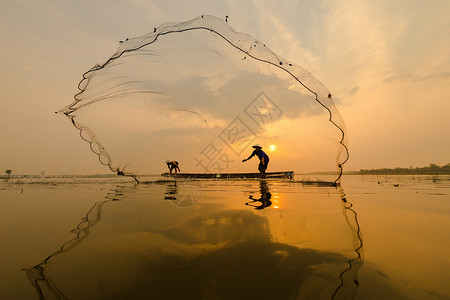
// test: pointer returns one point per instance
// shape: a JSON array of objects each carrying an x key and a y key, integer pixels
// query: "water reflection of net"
[
  {"x": 211, "y": 253},
  {"x": 44, "y": 286},
  {"x": 349, "y": 277}
]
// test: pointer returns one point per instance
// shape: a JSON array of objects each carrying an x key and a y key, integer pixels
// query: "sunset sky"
[{"x": 387, "y": 64}]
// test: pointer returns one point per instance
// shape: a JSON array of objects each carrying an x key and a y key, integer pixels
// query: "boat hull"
[{"x": 284, "y": 174}]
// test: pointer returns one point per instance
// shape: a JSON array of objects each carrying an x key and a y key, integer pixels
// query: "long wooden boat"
[{"x": 283, "y": 174}]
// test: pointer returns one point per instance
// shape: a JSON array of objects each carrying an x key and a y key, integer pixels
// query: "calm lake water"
[{"x": 377, "y": 237}]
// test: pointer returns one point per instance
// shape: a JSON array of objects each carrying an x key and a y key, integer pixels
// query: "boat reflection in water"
[{"x": 199, "y": 239}]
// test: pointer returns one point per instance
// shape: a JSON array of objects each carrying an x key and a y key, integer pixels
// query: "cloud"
[
  {"x": 354, "y": 90},
  {"x": 416, "y": 78}
]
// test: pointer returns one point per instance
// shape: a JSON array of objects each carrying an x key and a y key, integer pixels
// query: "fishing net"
[{"x": 202, "y": 94}]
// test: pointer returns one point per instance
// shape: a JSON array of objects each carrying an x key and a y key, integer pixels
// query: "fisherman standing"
[
  {"x": 263, "y": 159},
  {"x": 173, "y": 165}
]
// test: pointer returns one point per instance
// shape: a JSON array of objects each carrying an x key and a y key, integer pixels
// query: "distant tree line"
[{"x": 431, "y": 169}]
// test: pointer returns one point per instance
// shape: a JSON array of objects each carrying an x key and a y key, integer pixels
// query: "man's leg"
[{"x": 262, "y": 170}]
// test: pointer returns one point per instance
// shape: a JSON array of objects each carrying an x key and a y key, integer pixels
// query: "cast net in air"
[{"x": 202, "y": 94}]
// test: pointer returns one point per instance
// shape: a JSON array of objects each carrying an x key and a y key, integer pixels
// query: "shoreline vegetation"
[
  {"x": 432, "y": 169},
  {"x": 34, "y": 176}
]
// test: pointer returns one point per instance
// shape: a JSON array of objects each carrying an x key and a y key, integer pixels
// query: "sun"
[{"x": 272, "y": 147}]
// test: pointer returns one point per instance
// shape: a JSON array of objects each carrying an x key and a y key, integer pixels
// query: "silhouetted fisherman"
[
  {"x": 263, "y": 159},
  {"x": 173, "y": 165}
]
